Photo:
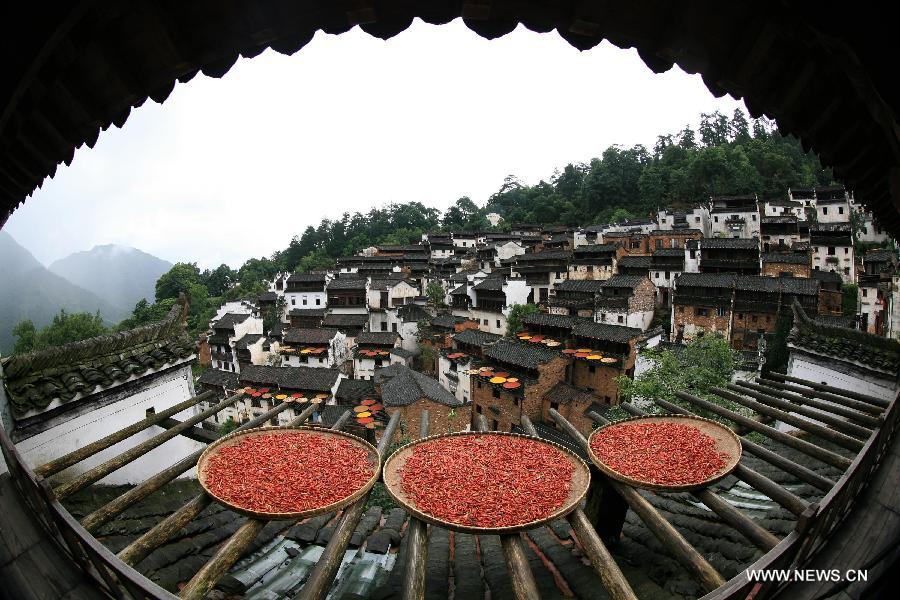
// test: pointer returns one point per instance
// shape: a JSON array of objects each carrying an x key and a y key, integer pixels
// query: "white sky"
[{"x": 231, "y": 168}]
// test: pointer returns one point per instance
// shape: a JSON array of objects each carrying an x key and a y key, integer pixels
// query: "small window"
[
  {"x": 716, "y": 219},
  {"x": 478, "y": 407},
  {"x": 697, "y": 219},
  {"x": 865, "y": 292},
  {"x": 498, "y": 324},
  {"x": 840, "y": 210},
  {"x": 831, "y": 251},
  {"x": 754, "y": 318},
  {"x": 496, "y": 393},
  {"x": 621, "y": 319},
  {"x": 753, "y": 217},
  {"x": 592, "y": 369},
  {"x": 824, "y": 210},
  {"x": 318, "y": 301},
  {"x": 293, "y": 302},
  {"x": 701, "y": 312},
  {"x": 720, "y": 312},
  {"x": 304, "y": 302}
]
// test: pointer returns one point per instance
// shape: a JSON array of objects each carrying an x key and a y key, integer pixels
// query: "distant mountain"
[
  {"x": 117, "y": 274},
  {"x": 28, "y": 290}
]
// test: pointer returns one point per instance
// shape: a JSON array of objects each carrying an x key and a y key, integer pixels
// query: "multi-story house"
[
  {"x": 874, "y": 299},
  {"x": 832, "y": 205},
  {"x": 226, "y": 331},
  {"x": 409, "y": 392},
  {"x": 306, "y": 318},
  {"x": 593, "y": 261},
  {"x": 729, "y": 255},
  {"x": 235, "y": 307},
  {"x": 576, "y": 297},
  {"x": 373, "y": 351},
  {"x": 440, "y": 245},
  {"x": 783, "y": 233},
  {"x": 676, "y": 238},
  {"x": 734, "y": 216},
  {"x": 347, "y": 296},
  {"x": 455, "y": 362},
  {"x": 305, "y": 385},
  {"x": 491, "y": 300},
  {"x": 696, "y": 217},
  {"x": 542, "y": 270},
  {"x": 832, "y": 249},
  {"x": 464, "y": 239},
  {"x": 630, "y": 241},
  {"x": 627, "y": 300},
  {"x": 783, "y": 207},
  {"x": 633, "y": 265},
  {"x": 252, "y": 349},
  {"x": 319, "y": 348},
  {"x": 306, "y": 291},
  {"x": 786, "y": 264},
  {"x": 831, "y": 294},
  {"x": 665, "y": 265},
  {"x": 384, "y": 297}
]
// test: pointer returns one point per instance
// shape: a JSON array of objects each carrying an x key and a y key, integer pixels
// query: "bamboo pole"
[
  {"x": 602, "y": 561},
  {"x": 820, "y": 387},
  {"x": 76, "y": 456},
  {"x": 416, "y": 544},
  {"x": 112, "y": 509},
  {"x": 206, "y": 578},
  {"x": 680, "y": 548},
  {"x": 819, "y": 431},
  {"x": 319, "y": 582},
  {"x": 164, "y": 530},
  {"x": 826, "y": 456},
  {"x": 776, "y": 492},
  {"x": 861, "y": 413},
  {"x": 788, "y": 466},
  {"x": 132, "y": 454}
]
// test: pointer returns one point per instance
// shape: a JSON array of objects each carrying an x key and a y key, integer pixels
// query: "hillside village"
[{"x": 436, "y": 314}]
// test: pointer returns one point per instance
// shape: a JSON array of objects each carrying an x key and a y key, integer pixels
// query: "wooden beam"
[
  {"x": 835, "y": 437},
  {"x": 678, "y": 547},
  {"x": 817, "y": 452},
  {"x": 416, "y": 544},
  {"x": 788, "y": 466},
  {"x": 822, "y": 415},
  {"x": 746, "y": 526},
  {"x": 322, "y": 576},
  {"x": 860, "y": 412},
  {"x": 165, "y": 529},
  {"x": 76, "y": 456},
  {"x": 776, "y": 492},
  {"x": 206, "y": 578},
  {"x": 602, "y": 561},
  {"x": 132, "y": 454},
  {"x": 819, "y": 387},
  {"x": 112, "y": 509}
]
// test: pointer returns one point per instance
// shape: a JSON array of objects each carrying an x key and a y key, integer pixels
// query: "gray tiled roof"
[
  {"x": 528, "y": 356},
  {"x": 548, "y": 320},
  {"x": 710, "y": 280},
  {"x": 412, "y": 312},
  {"x": 580, "y": 285},
  {"x": 377, "y": 338},
  {"x": 788, "y": 258},
  {"x": 736, "y": 243},
  {"x": 476, "y": 337},
  {"x": 447, "y": 321},
  {"x": 494, "y": 284},
  {"x": 635, "y": 262},
  {"x": 679, "y": 252},
  {"x": 402, "y": 352},
  {"x": 595, "y": 249},
  {"x": 292, "y": 378},
  {"x": 229, "y": 320},
  {"x": 602, "y": 331},
  {"x": 353, "y": 390},
  {"x": 220, "y": 378},
  {"x": 546, "y": 255},
  {"x": 338, "y": 321},
  {"x": 307, "y": 312},
  {"x": 248, "y": 340},
  {"x": 319, "y": 335},
  {"x": 307, "y": 278},
  {"x": 880, "y": 256},
  {"x": 564, "y": 393},
  {"x": 347, "y": 283},
  {"x": 401, "y": 386},
  {"x": 626, "y": 281}
]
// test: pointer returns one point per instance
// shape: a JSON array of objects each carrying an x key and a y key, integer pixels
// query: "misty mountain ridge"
[
  {"x": 120, "y": 275},
  {"x": 28, "y": 290}
]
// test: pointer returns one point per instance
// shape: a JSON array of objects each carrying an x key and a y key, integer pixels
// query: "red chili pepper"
[
  {"x": 487, "y": 480},
  {"x": 659, "y": 453},
  {"x": 288, "y": 473}
]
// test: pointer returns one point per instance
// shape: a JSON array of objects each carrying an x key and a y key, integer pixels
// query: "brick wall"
[
  {"x": 770, "y": 269},
  {"x": 507, "y": 405},
  {"x": 574, "y": 413},
  {"x": 831, "y": 302},
  {"x": 644, "y": 298},
  {"x": 441, "y": 418},
  {"x": 686, "y": 315}
]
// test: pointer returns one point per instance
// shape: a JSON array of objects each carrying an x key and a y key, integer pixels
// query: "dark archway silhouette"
[{"x": 823, "y": 73}]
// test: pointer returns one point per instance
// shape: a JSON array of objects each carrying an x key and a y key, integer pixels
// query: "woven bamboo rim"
[
  {"x": 581, "y": 480},
  {"x": 237, "y": 436},
  {"x": 727, "y": 442}
]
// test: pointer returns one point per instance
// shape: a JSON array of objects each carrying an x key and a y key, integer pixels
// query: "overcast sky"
[{"x": 231, "y": 168}]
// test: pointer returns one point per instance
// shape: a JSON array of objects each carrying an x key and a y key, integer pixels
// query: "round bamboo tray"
[
  {"x": 581, "y": 480},
  {"x": 236, "y": 437},
  {"x": 727, "y": 442}
]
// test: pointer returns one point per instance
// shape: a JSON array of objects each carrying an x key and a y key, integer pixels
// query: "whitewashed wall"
[{"x": 160, "y": 394}]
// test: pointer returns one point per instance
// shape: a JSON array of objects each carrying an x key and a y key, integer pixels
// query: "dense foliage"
[
  {"x": 65, "y": 328},
  {"x": 516, "y": 313}
]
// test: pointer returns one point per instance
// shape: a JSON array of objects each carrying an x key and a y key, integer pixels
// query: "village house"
[
  {"x": 222, "y": 384},
  {"x": 676, "y": 238},
  {"x": 696, "y": 217},
  {"x": 868, "y": 230},
  {"x": 701, "y": 304},
  {"x": 226, "y": 331},
  {"x": 491, "y": 300},
  {"x": 831, "y": 295},
  {"x": 627, "y": 300},
  {"x": 409, "y": 392},
  {"x": 729, "y": 255},
  {"x": 633, "y": 265},
  {"x": 67, "y": 397},
  {"x": 373, "y": 351},
  {"x": 593, "y": 261},
  {"x": 783, "y": 233},
  {"x": 575, "y": 297},
  {"x": 806, "y": 197},
  {"x": 542, "y": 270},
  {"x": 786, "y": 264},
  {"x": 302, "y": 386},
  {"x": 665, "y": 265},
  {"x": 306, "y": 318},
  {"x": 318, "y": 348},
  {"x": 384, "y": 297},
  {"x": 235, "y": 307},
  {"x": 845, "y": 358},
  {"x": 832, "y": 205},
  {"x": 306, "y": 291},
  {"x": 454, "y": 363},
  {"x": 438, "y": 334},
  {"x": 783, "y": 207},
  {"x": 253, "y": 349},
  {"x": 634, "y": 242},
  {"x": 832, "y": 249},
  {"x": 734, "y": 216},
  {"x": 439, "y": 245}
]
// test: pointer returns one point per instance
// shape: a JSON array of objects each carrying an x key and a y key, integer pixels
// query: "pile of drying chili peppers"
[
  {"x": 660, "y": 453},
  {"x": 286, "y": 473},
  {"x": 487, "y": 480}
]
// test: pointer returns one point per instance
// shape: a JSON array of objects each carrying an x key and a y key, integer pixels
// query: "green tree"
[
  {"x": 435, "y": 292},
  {"x": 65, "y": 328},
  {"x": 705, "y": 362},
  {"x": 145, "y": 313},
  {"x": 227, "y": 426},
  {"x": 178, "y": 280},
  {"x": 516, "y": 313},
  {"x": 850, "y": 299}
]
